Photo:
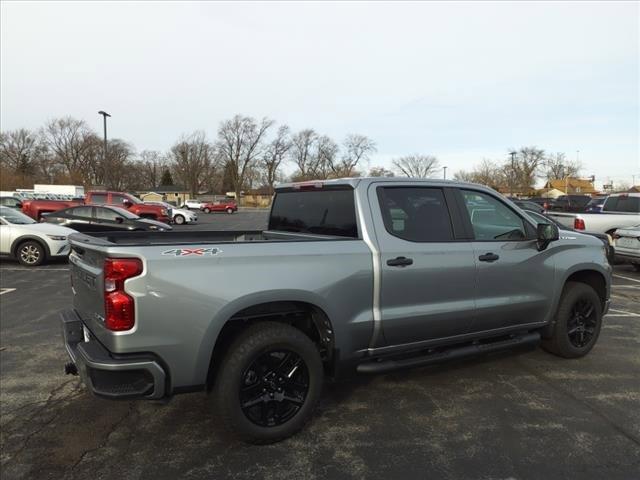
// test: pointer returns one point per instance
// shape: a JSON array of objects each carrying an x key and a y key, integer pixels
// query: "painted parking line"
[
  {"x": 3, "y": 269},
  {"x": 6, "y": 290},
  {"x": 629, "y": 314},
  {"x": 633, "y": 287},
  {"x": 626, "y": 278}
]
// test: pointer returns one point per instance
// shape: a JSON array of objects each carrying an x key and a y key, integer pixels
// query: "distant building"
[
  {"x": 173, "y": 194},
  {"x": 634, "y": 189},
  {"x": 549, "y": 193},
  {"x": 572, "y": 186}
]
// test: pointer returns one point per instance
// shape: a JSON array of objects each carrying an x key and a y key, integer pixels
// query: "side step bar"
[{"x": 383, "y": 366}]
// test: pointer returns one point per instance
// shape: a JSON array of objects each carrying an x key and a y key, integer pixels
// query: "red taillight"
[
  {"x": 119, "y": 311},
  {"x": 578, "y": 224}
]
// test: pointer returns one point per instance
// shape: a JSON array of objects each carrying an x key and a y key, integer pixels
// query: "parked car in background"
[
  {"x": 28, "y": 241},
  {"x": 11, "y": 202},
  {"x": 620, "y": 210},
  {"x": 595, "y": 205},
  {"x": 627, "y": 245},
  {"x": 132, "y": 204},
  {"x": 570, "y": 203},
  {"x": 193, "y": 204},
  {"x": 228, "y": 206},
  {"x": 528, "y": 205},
  {"x": 606, "y": 239},
  {"x": 102, "y": 218},
  {"x": 35, "y": 208},
  {"x": 546, "y": 203},
  {"x": 179, "y": 215}
]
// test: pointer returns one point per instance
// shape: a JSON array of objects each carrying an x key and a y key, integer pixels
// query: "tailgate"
[
  {"x": 87, "y": 282},
  {"x": 565, "y": 219}
]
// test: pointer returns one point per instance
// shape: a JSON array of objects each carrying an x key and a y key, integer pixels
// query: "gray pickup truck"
[{"x": 352, "y": 276}]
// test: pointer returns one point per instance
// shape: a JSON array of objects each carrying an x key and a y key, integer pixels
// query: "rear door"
[
  {"x": 428, "y": 267},
  {"x": 515, "y": 280}
]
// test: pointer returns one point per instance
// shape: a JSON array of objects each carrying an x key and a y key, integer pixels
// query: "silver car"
[
  {"x": 31, "y": 243},
  {"x": 627, "y": 245}
]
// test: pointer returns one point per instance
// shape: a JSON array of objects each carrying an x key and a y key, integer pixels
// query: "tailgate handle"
[{"x": 400, "y": 262}]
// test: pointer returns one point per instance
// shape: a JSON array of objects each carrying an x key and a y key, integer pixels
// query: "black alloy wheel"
[
  {"x": 582, "y": 322},
  {"x": 274, "y": 388}
]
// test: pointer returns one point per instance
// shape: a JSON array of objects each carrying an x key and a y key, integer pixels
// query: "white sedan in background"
[
  {"x": 179, "y": 216},
  {"x": 28, "y": 241},
  {"x": 626, "y": 242}
]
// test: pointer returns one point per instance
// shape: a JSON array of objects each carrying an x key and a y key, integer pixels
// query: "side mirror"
[
  {"x": 119, "y": 219},
  {"x": 127, "y": 203},
  {"x": 547, "y": 233}
]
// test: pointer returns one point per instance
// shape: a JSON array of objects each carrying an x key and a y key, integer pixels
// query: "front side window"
[
  {"x": 99, "y": 198},
  {"x": 107, "y": 214},
  {"x": 491, "y": 219},
  {"x": 415, "y": 214}
]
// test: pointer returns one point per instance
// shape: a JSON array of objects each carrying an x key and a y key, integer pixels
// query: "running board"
[{"x": 383, "y": 366}]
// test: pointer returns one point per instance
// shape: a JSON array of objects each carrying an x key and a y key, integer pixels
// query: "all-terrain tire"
[
  {"x": 238, "y": 366},
  {"x": 566, "y": 340}
]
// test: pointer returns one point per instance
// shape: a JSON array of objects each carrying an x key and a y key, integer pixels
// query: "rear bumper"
[{"x": 107, "y": 374}]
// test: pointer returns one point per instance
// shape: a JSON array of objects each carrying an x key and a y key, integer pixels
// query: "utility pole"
[
  {"x": 104, "y": 162},
  {"x": 445, "y": 172}
]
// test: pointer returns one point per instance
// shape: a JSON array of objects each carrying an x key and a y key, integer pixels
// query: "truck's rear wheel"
[
  {"x": 269, "y": 382},
  {"x": 577, "y": 323}
]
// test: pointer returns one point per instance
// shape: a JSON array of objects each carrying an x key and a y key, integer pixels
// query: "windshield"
[{"x": 15, "y": 217}]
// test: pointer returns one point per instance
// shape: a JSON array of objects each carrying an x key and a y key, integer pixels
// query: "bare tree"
[
  {"x": 192, "y": 157},
  {"x": 324, "y": 159},
  {"x": 487, "y": 173},
  {"x": 20, "y": 152},
  {"x": 521, "y": 170},
  {"x": 417, "y": 166},
  {"x": 240, "y": 145},
  {"x": 558, "y": 167},
  {"x": 69, "y": 139},
  {"x": 357, "y": 149},
  {"x": 302, "y": 145},
  {"x": 380, "y": 172},
  {"x": 274, "y": 155},
  {"x": 153, "y": 164}
]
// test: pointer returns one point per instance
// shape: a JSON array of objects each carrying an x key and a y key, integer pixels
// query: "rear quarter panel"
[{"x": 182, "y": 302}]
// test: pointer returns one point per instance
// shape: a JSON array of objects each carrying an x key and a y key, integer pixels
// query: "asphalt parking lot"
[{"x": 518, "y": 415}]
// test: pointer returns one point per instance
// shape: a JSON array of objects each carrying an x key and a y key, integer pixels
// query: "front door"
[
  {"x": 515, "y": 280},
  {"x": 428, "y": 272}
]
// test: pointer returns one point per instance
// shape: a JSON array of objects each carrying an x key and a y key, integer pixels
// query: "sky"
[{"x": 462, "y": 81}]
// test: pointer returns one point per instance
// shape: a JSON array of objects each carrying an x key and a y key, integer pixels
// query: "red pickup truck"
[{"x": 35, "y": 208}]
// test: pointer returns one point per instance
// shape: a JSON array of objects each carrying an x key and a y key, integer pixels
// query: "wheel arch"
[
  {"x": 24, "y": 238},
  {"x": 308, "y": 317}
]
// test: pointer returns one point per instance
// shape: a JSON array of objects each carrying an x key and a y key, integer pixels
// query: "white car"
[
  {"x": 28, "y": 241},
  {"x": 627, "y": 245},
  {"x": 193, "y": 203},
  {"x": 179, "y": 216}
]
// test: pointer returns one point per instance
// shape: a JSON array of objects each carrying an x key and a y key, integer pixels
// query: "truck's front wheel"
[
  {"x": 269, "y": 382},
  {"x": 577, "y": 322}
]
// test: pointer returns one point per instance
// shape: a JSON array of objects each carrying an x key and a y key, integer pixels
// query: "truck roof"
[{"x": 355, "y": 181}]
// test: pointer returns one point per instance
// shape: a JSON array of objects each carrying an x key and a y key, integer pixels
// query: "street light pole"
[
  {"x": 105, "y": 166},
  {"x": 445, "y": 172},
  {"x": 513, "y": 170}
]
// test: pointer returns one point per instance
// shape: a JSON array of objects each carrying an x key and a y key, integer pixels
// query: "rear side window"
[
  {"x": 98, "y": 198},
  {"x": 415, "y": 214},
  {"x": 321, "y": 212},
  {"x": 622, "y": 203}
]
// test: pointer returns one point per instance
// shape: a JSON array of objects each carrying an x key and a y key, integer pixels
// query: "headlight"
[{"x": 57, "y": 238}]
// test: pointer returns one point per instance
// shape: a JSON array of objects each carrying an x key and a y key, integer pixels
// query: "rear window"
[
  {"x": 322, "y": 212},
  {"x": 622, "y": 203}
]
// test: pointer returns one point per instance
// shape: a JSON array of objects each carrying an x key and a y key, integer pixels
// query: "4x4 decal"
[{"x": 184, "y": 252}]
